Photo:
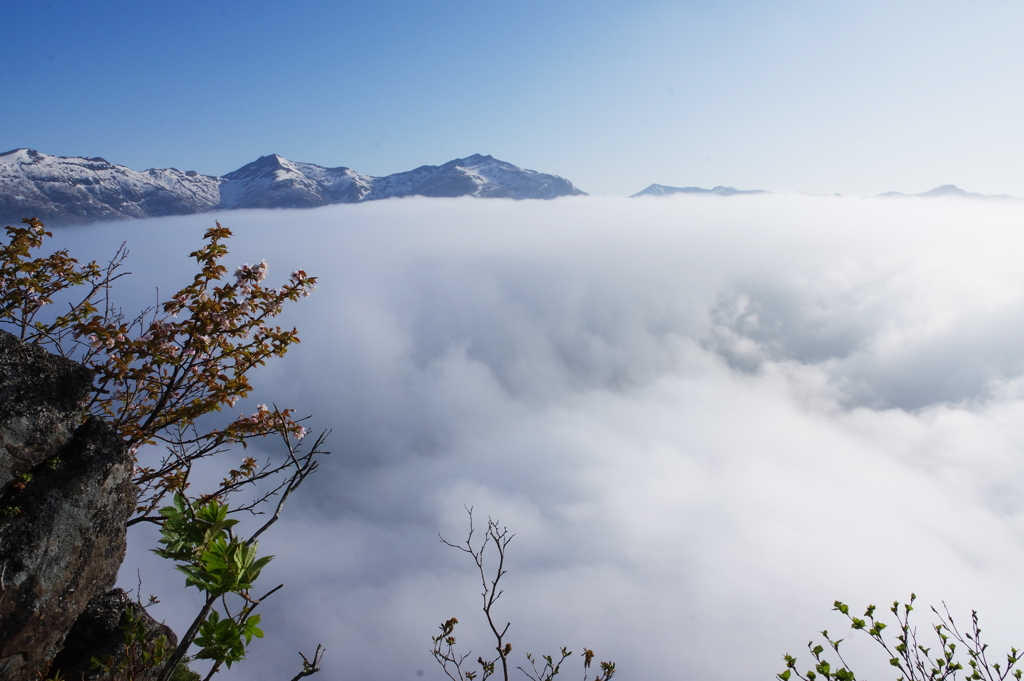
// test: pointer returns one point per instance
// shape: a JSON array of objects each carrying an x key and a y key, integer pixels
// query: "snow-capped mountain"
[
  {"x": 477, "y": 175},
  {"x": 63, "y": 190},
  {"x": 662, "y": 190},
  {"x": 58, "y": 190},
  {"x": 275, "y": 182}
]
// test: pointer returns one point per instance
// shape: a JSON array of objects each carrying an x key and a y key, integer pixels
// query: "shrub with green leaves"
[
  {"x": 218, "y": 563},
  {"x": 911, "y": 658}
]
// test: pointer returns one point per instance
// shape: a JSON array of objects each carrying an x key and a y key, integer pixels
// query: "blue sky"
[{"x": 793, "y": 95}]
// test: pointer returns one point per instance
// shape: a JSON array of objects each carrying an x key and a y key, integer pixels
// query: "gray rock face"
[
  {"x": 118, "y": 632},
  {"x": 41, "y": 400},
  {"x": 62, "y": 533},
  {"x": 67, "y": 190}
]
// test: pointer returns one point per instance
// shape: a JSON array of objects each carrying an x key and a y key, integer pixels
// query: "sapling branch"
[
  {"x": 186, "y": 639},
  {"x": 303, "y": 467},
  {"x": 310, "y": 667},
  {"x": 444, "y": 643}
]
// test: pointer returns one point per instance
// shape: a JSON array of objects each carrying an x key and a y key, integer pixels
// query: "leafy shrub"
[
  {"x": 157, "y": 373},
  {"x": 912, "y": 659}
]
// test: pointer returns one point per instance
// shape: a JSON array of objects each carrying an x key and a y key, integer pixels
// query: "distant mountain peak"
[
  {"x": 946, "y": 190},
  {"x": 949, "y": 190},
  {"x": 16, "y": 155},
  {"x": 663, "y": 190},
  {"x": 261, "y": 167}
]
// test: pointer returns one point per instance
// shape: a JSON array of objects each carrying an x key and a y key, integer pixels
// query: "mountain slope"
[{"x": 62, "y": 190}]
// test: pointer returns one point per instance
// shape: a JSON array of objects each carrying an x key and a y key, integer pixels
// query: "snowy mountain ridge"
[
  {"x": 663, "y": 190},
  {"x": 65, "y": 190},
  {"x": 949, "y": 190}
]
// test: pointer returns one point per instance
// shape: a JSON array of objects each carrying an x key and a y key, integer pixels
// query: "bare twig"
[
  {"x": 444, "y": 643},
  {"x": 491, "y": 591},
  {"x": 303, "y": 467},
  {"x": 310, "y": 667}
]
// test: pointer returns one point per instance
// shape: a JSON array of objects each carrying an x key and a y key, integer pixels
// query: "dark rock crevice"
[{"x": 118, "y": 633}]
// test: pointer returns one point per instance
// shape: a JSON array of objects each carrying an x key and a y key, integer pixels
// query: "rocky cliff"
[{"x": 66, "y": 494}]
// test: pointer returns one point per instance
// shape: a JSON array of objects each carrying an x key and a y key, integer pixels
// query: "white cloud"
[{"x": 704, "y": 419}]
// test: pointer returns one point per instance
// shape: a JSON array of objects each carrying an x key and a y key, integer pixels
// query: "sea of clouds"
[{"x": 704, "y": 419}]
